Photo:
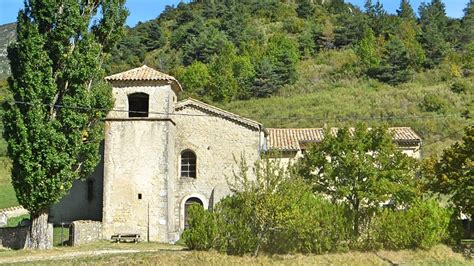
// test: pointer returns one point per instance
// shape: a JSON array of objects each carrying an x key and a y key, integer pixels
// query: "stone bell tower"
[{"x": 139, "y": 155}]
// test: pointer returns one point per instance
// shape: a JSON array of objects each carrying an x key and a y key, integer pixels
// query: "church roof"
[
  {"x": 295, "y": 139},
  {"x": 145, "y": 73},
  {"x": 212, "y": 110}
]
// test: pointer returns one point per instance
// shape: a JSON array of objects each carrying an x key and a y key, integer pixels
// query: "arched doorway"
[{"x": 187, "y": 204}]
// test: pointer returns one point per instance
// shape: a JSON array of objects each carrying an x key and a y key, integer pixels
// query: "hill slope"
[{"x": 7, "y": 35}]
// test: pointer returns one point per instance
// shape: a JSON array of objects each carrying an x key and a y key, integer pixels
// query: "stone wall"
[
  {"x": 219, "y": 145},
  {"x": 83, "y": 232},
  {"x": 14, "y": 237},
  {"x": 17, "y": 237}
]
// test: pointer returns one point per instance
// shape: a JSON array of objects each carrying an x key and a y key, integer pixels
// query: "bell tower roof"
[{"x": 145, "y": 73}]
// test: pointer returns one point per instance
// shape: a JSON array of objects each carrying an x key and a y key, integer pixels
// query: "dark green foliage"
[
  {"x": 350, "y": 27},
  {"x": 201, "y": 31},
  {"x": 305, "y": 9},
  {"x": 265, "y": 83},
  {"x": 467, "y": 25},
  {"x": 434, "y": 25},
  {"x": 56, "y": 62},
  {"x": 405, "y": 11},
  {"x": 422, "y": 225},
  {"x": 209, "y": 42},
  {"x": 202, "y": 229},
  {"x": 395, "y": 65},
  {"x": 283, "y": 54},
  {"x": 433, "y": 103},
  {"x": 379, "y": 19}
]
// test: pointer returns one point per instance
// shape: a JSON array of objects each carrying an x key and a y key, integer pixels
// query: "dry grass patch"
[{"x": 105, "y": 253}]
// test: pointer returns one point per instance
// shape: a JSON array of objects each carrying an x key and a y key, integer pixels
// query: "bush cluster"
[
  {"x": 423, "y": 225},
  {"x": 312, "y": 225}
]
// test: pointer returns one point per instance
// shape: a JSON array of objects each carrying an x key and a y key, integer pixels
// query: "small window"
[
  {"x": 188, "y": 164},
  {"x": 139, "y": 196},
  {"x": 138, "y": 105},
  {"x": 90, "y": 189}
]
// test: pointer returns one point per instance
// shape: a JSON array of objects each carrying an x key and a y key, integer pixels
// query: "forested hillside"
[{"x": 309, "y": 62}]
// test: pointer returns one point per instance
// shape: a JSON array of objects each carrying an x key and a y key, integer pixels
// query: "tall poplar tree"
[{"x": 55, "y": 124}]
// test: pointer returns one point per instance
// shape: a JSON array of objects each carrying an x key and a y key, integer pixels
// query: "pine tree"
[
  {"x": 378, "y": 17},
  {"x": 305, "y": 9},
  {"x": 265, "y": 83},
  {"x": 405, "y": 11},
  {"x": 434, "y": 23},
  {"x": 284, "y": 55},
  {"x": 55, "y": 125},
  {"x": 395, "y": 65},
  {"x": 467, "y": 25}
]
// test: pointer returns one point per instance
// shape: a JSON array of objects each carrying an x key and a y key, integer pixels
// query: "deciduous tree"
[
  {"x": 453, "y": 174},
  {"x": 363, "y": 168},
  {"x": 55, "y": 124}
]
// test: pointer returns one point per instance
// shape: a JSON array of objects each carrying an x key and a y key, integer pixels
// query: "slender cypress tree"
[{"x": 55, "y": 124}]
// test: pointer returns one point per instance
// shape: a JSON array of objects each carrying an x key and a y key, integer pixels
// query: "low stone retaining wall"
[
  {"x": 83, "y": 232},
  {"x": 17, "y": 237},
  {"x": 14, "y": 237}
]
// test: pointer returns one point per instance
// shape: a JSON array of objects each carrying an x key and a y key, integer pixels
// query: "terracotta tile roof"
[
  {"x": 294, "y": 139},
  {"x": 143, "y": 73},
  {"x": 193, "y": 103}
]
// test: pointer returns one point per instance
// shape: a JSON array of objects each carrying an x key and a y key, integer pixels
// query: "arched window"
[
  {"x": 188, "y": 164},
  {"x": 138, "y": 105},
  {"x": 187, "y": 204}
]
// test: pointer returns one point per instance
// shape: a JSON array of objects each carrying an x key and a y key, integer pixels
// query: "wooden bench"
[
  {"x": 468, "y": 247},
  {"x": 126, "y": 238}
]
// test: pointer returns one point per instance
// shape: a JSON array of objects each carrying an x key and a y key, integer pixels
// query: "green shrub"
[
  {"x": 236, "y": 235},
  {"x": 433, "y": 103},
  {"x": 460, "y": 86},
  {"x": 312, "y": 225},
  {"x": 423, "y": 225},
  {"x": 202, "y": 229}
]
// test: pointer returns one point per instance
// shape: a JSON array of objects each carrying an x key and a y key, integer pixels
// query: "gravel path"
[{"x": 69, "y": 255}]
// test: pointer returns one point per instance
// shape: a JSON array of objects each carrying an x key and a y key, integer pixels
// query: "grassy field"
[
  {"x": 7, "y": 194},
  {"x": 154, "y": 253},
  {"x": 327, "y": 95}
]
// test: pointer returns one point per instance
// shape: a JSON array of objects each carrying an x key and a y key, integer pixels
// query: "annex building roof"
[
  {"x": 145, "y": 73},
  {"x": 295, "y": 139}
]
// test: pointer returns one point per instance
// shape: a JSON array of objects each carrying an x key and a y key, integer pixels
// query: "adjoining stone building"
[{"x": 160, "y": 155}]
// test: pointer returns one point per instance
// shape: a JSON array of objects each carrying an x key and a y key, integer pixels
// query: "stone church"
[{"x": 160, "y": 155}]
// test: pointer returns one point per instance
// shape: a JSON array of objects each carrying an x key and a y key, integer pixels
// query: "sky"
[{"x": 144, "y": 10}]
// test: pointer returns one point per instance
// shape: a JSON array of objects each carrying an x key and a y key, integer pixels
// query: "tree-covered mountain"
[
  {"x": 229, "y": 50},
  {"x": 307, "y": 63},
  {"x": 7, "y": 35}
]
